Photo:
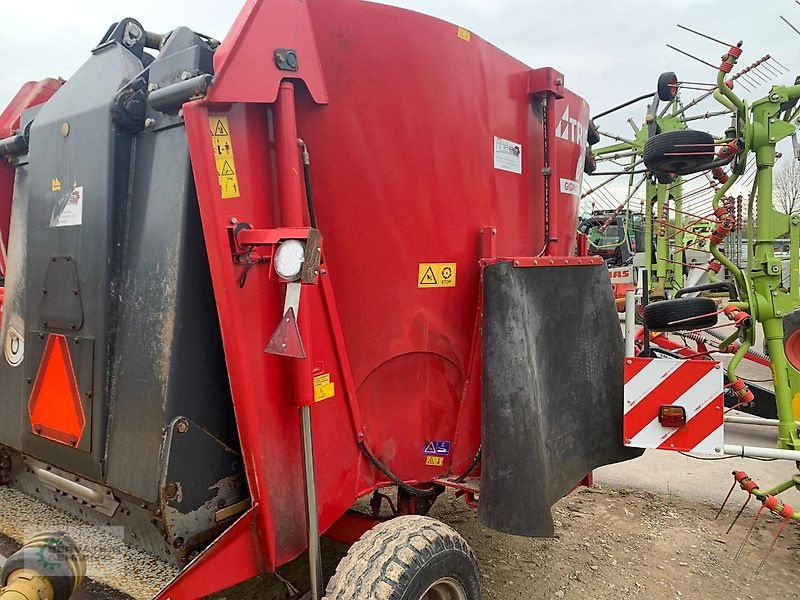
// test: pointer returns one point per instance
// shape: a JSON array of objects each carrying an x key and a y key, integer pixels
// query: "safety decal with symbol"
[
  {"x": 434, "y": 461},
  {"x": 324, "y": 388},
  {"x": 437, "y": 448},
  {"x": 223, "y": 157},
  {"x": 436, "y": 275}
]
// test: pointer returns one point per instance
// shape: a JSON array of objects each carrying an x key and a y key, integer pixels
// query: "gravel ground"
[
  {"x": 108, "y": 560},
  {"x": 610, "y": 543}
]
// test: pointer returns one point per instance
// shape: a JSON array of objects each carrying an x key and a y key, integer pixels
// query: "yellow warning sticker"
[
  {"x": 434, "y": 461},
  {"x": 436, "y": 275},
  {"x": 324, "y": 388},
  {"x": 55, "y": 184},
  {"x": 464, "y": 34},
  {"x": 223, "y": 156}
]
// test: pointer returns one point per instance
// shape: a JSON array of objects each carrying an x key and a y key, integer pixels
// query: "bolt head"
[
  {"x": 149, "y": 122},
  {"x": 171, "y": 490}
]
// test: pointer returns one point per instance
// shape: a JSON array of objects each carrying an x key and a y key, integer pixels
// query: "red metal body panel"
[
  {"x": 403, "y": 170},
  {"x": 31, "y": 94}
]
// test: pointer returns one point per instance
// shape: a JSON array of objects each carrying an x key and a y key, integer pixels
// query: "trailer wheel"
[
  {"x": 667, "y": 87},
  {"x": 683, "y": 151},
  {"x": 681, "y": 314},
  {"x": 589, "y": 162},
  {"x": 662, "y": 177},
  {"x": 592, "y": 134},
  {"x": 407, "y": 558}
]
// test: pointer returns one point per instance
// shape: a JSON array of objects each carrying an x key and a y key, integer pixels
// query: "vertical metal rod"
[
  {"x": 292, "y": 214},
  {"x": 314, "y": 552},
  {"x": 772, "y": 544},
  {"x": 287, "y": 158},
  {"x": 739, "y": 514},
  {"x": 645, "y": 300},
  {"x": 749, "y": 532},
  {"x": 546, "y": 171},
  {"x": 630, "y": 323},
  {"x": 724, "y": 502}
]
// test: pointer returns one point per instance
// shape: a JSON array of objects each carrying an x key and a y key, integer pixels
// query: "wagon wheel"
[
  {"x": 684, "y": 151},
  {"x": 681, "y": 314},
  {"x": 407, "y": 558},
  {"x": 667, "y": 87}
]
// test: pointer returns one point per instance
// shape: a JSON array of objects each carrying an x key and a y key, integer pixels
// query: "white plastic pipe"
[
  {"x": 758, "y": 452},
  {"x": 630, "y": 323},
  {"x": 755, "y": 421}
]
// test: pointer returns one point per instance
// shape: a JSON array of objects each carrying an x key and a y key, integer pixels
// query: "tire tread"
[
  {"x": 659, "y": 315},
  {"x": 380, "y": 565}
]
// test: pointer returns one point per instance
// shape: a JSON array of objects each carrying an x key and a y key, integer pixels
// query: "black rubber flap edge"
[{"x": 552, "y": 390}]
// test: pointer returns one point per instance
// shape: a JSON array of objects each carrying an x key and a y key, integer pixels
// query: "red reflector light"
[
  {"x": 55, "y": 407},
  {"x": 672, "y": 416}
]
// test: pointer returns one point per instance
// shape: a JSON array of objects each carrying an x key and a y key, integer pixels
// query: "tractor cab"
[{"x": 613, "y": 235}]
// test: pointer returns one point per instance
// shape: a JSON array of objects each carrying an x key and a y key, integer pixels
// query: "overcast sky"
[{"x": 609, "y": 51}]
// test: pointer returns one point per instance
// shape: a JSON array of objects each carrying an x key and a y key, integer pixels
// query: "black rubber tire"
[
  {"x": 667, "y": 87},
  {"x": 695, "y": 149},
  {"x": 589, "y": 162},
  {"x": 661, "y": 316},
  {"x": 665, "y": 178},
  {"x": 592, "y": 135},
  {"x": 401, "y": 558}
]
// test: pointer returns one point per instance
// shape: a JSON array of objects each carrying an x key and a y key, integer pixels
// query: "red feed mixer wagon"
[{"x": 249, "y": 283}]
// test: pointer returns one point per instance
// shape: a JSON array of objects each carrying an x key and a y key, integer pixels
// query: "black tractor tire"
[
  {"x": 592, "y": 134},
  {"x": 692, "y": 313},
  {"x": 589, "y": 162},
  {"x": 665, "y": 178},
  {"x": 402, "y": 559},
  {"x": 667, "y": 87},
  {"x": 681, "y": 152}
]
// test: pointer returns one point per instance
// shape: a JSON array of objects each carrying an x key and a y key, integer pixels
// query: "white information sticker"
[
  {"x": 68, "y": 209},
  {"x": 507, "y": 155},
  {"x": 568, "y": 186}
]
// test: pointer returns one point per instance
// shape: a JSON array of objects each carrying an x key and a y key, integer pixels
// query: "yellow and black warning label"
[
  {"x": 434, "y": 461},
  {"x": 223, "y": 156},
  {"x": 55, "y": 184},
  {"x": 324, "y": 388},
  {"x": 436, "y": 275},
  {"x": 464, "y": 34}
]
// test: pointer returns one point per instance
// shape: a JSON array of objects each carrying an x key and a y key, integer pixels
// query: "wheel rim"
[{"x": 445, "y": 588}]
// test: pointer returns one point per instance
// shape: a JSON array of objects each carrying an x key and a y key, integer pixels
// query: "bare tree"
[{"x": 786, "y": 188}]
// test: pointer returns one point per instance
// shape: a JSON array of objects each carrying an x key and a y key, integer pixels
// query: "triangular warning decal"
[
  {"x": 428, "y": 278},
  {"x": 286, "y": 339},
  {"x": 430, "y": 448},
  {"x": 227, "y": 169},
  {"x": 55, "y": 407},
  {"x": 219, "y": 128}
]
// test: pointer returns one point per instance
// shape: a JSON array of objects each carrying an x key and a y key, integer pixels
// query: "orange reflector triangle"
[
  {"x": 286, "y": 340},
  {"x": 55, "y": 405}
]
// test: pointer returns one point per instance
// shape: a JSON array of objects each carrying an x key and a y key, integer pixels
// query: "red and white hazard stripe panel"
[{"x": 655, "y": 388}]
